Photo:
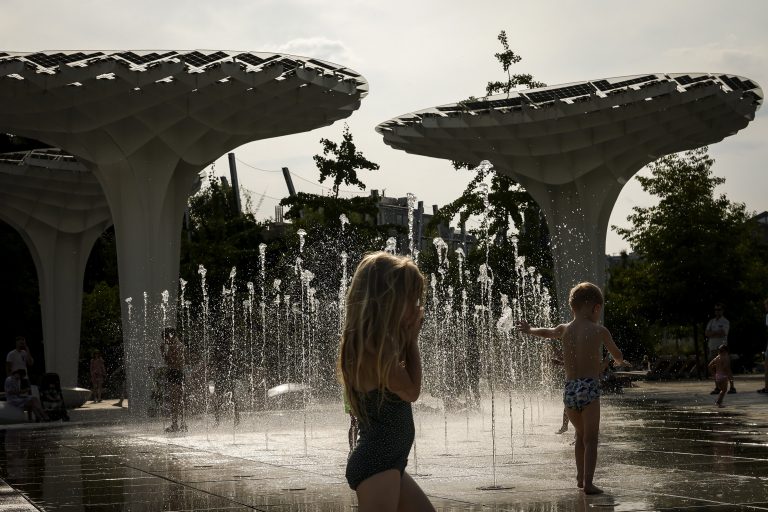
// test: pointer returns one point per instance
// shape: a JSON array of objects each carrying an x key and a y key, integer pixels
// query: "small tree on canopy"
[{"x": 506, "y": 58}]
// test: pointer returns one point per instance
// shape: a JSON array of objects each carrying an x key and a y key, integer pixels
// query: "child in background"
[
  {"x": 583, "y": 340},
  {"x": 98, "y": 374},
  {"x": 380, "y": 365},
  {"x": 721, "y": 364}
]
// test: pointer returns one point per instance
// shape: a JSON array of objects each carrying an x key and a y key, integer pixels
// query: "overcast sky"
[{"x": 422, "y": 53}]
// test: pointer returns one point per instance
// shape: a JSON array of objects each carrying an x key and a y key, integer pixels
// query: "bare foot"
[{"x": 592, "y": 489}]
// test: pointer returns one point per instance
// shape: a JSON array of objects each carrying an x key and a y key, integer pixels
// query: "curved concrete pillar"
[
  {"x": 59, "y": 210},
  {"x": 146, "y": 124},
  {"x": 574, "y": 146},
  {"x": 577, "y": 214}
]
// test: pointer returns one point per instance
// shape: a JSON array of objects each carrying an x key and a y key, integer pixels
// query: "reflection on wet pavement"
[{"x": 652, "y": 457}]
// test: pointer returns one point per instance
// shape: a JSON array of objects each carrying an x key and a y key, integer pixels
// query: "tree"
[
  {"x": 343, "y": 168},
  {"x": 509, "y": 202},
  {"x": 695, "y": 246},
  {"x": 217, "y": 237}
]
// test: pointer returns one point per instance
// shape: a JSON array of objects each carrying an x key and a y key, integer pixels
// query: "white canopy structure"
[
  {"x": 59, "y": 209},
  {"x": 574, "y": 146},
  {"x": 145, "y": 123}
]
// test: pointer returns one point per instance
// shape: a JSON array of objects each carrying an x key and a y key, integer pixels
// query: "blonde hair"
[
  {"x": 383, "y": 291},
  {"x": 585, "y": 293}
]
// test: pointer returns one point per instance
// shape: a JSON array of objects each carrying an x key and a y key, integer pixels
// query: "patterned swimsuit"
[
  {"x": 385, "y": 438},
  {"x": 579, "y": 393}
]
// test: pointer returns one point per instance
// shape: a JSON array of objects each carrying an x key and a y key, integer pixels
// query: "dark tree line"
[{"x": 693, "y": 249}]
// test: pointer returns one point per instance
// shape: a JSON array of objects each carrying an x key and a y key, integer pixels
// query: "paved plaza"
[{"x": 664, "y": 446}]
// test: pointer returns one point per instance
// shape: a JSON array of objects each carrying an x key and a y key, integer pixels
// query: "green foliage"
[
  {"x": 102, "y": 262},
  {"x": 218, "y": 237},
  {"x": 344, "y": 163},
  {"x": 100, "y": 329},
  {"x": 311, "y": 209},
  {"x": 510, "y": 206},
  {"x": 319, "y": 216},
  {"x": 695, "y": 248},
  {"x": 506, "y": 58},
  {"x": 624, "y": 315}
]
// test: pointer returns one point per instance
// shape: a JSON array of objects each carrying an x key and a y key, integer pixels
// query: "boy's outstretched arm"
[
  {"x": 610, "y": 345},
  {"x": 541, "y": 332}
]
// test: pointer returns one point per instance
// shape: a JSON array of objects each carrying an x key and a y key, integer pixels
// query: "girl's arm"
[
  {"x": 541, "y": 332},
  {"x": 405, "y": 378}
]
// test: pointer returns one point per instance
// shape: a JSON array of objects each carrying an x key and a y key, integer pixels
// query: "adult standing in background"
[
  {"x": 19, "y": 359},
  {"x": 173, "y": 354},
  {"x": 717, "y": 334},
  {"x": 765, "y": 354}
]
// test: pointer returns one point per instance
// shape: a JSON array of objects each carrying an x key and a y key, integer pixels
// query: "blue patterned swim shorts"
[{"x": 579, "y": 393}]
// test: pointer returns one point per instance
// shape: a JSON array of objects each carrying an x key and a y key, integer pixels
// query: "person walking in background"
[
  {"x": 583, "y": 341},
  {"x": 717, "y": 334},
  {"x": 765, "y": 354},
  {"x": 380, "y": 366},
  {"x": 98, "y": 375},
  {"x": 721, "y": 365}
]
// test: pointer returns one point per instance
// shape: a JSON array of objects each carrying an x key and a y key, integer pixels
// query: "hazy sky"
[{"x": 421, "y": 53}]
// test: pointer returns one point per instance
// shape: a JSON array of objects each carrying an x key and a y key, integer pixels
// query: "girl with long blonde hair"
[{"x": 380, "y": 366}]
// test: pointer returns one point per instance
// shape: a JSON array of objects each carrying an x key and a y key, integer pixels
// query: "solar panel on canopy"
[
  {"x": 687, "y": 79},
  {"x": 140, "y": 60},
  {"x": 288, "y": 63},
  {"x": 604, "y": 85},
  {"x": 200, "y": 60},
  {"x": 737, "y": 84},
  {"x": 506, "y": 102},
  {"x": 249, "y": 58},
  {"x": 272, "y": 59},
  {"x": 321, "y": 64},
  {"x": 561, "y": 93},
  {"x": 56, "y": 59}
]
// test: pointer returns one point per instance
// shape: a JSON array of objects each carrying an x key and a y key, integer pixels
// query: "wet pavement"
[{"x": 663, "y": 446}]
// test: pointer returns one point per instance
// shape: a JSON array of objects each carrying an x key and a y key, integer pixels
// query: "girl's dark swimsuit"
[{"x": 385, "y": 438}]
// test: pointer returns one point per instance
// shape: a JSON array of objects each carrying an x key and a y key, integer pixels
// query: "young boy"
[
  {"x": 722, "y": 366},
  {"x": 583, "y": 338}
]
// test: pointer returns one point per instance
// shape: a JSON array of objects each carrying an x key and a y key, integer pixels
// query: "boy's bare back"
[{"x": 582, "y": 348}]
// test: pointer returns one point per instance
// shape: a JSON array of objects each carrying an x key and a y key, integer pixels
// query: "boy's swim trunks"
[
  {"x": 385, "y": 439},
  {"x": 579, "y": 393}
]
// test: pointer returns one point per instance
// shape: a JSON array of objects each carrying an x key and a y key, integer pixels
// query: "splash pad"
[{"x": 261, "y": 353}]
